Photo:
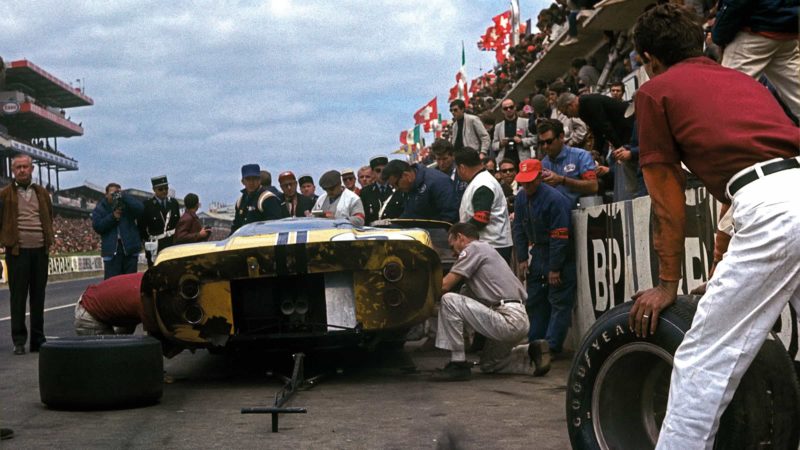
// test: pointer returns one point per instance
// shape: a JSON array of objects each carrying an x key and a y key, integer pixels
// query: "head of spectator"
[
  {"x": 468, "y": 163},
  {"x": 111, "y": 189},
  {"x": 348, "y": 178},
  {"x": 539, "y": 104},
  {"x": 288, "y": 184},
  {"x": 576, "y": 65},
  {"x": 568, "y": 104},
  {"x": 526, "y": 111},
  {"x": 191, "y": 201},
  {"x": 488, "y": 122},
  {"x": 529, "y": 175},
  {"x": 307, "y": 187},
  {"x": 617, "y": 91},
  {"x": 377, "y": 163},
  {"x": 365, "y": 176},
  {"x": 665, "y": 35},
  {"x": 160, "y": 186},
  {"x": 457, "y": 108},
  {"x": 251, "y": 177},
  {"x": 460, "y": 235},
  {"x": 508, "y": 170},
  {"x": 400, "y": 175},
  {"x": 490, "y": 164},
  {"x": 266, "y": 178},
  {"x": 509, "y": 109},
  {"x": 22, "y": 167},
  {"x": 551, "y": 137},
  {"x": 331, "y": 183},
  {"x": 442, "y": 151},
  {"x": 555, "y": 89}
]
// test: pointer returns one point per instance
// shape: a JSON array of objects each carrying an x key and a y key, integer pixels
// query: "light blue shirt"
[{"x": 572, "y": 162}]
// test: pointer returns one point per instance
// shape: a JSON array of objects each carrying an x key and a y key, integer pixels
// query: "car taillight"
[
  {"x": 189, "y": 287},
  {"x": 393, "y": 272}
]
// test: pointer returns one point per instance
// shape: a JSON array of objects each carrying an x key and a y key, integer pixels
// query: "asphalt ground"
[{"x": 363, "y": 400}]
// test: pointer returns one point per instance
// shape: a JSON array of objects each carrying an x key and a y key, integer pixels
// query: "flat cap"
[
  {"x": 305, "y": 179},
  {"x": 330, "y": 179}
]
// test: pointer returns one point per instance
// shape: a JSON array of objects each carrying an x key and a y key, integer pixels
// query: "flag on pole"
[
  {"x": 427, "y": 113},
  {"x": 461, "y": 78}
]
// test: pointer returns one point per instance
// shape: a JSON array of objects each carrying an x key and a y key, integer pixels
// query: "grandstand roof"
[
  {"x": 86, "y": 190},
  {"x": 34, "y": 121},
  {"x": 614, "y": 15},
  {"x": 46, "y": 88},
  {"x": 38, "y": 155}
]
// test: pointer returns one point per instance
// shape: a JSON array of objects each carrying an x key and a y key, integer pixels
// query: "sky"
[{"x": 196, "y": 89}]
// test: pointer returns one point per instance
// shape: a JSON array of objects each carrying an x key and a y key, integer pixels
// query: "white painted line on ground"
[{"x": 2, "y": 319}]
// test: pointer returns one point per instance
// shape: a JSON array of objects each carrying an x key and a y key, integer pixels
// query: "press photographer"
[{"x": 114, "y": 218}]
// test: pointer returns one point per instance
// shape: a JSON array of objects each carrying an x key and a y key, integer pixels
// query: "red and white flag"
[{"x": 426, "y": 114}]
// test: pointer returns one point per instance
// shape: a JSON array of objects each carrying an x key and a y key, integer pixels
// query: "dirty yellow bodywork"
[{"x": 264, "y": 285}]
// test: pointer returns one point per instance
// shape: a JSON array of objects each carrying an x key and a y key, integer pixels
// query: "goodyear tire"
[
  {"x": 100, "y": 372},
  {"x": 618, "y": 387}
]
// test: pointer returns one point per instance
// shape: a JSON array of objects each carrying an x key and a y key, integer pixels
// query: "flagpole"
[{"x": 514, "y": 23}]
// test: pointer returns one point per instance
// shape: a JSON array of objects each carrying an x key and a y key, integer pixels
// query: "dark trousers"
[
  {"x": 120, "y": 263},
  {"x": 550, "y": 307},
  {"x": 27, "y": 274}
]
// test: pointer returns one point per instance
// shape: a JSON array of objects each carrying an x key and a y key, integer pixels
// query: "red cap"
[
  {"x": 287, "y": 174},
  {"x": 528, "y": 170}
]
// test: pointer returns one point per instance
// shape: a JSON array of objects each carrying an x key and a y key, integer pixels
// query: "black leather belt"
[{"x": 768, "y": 169}]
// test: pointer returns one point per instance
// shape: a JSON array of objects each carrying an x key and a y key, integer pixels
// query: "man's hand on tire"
[{"x": 647, "y": 306}]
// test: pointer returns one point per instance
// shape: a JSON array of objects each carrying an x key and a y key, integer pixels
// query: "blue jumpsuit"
[{"x": 543, "y": 221}]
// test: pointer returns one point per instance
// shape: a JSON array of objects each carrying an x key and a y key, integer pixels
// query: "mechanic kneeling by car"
[
  {"x": 113, "y": 306},
  {"x": 495, "y": 309}
]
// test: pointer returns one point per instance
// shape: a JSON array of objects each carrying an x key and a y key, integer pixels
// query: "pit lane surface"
[{"x": 367, "y": 401}]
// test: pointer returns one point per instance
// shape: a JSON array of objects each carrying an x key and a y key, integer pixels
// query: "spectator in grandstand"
[
  {"x": 617, "y": 91},
  {"x": 490, "y": 164},
  {"x": 750, "y": 160},
  {"x": 113, "y": 306},
  {"x": 542, "y": 224},
  {"x": 488, "y": 123},
  {"x": 575, "y": 132},
  {"x": 158, "y": 220},
  {"x": 349, "y": 180},
  {"x": 430, "y": 192},
  {"x": 445, "y": 162},
  {"x": 256, "y": 203},
  {"x": 467, "y": 130},
  {"x": 295, "y": 204},
  {"x": 604, "y": 115},
  {"x": 307, "y": 187},
  {"x": 266, "y": 182},
  {"x": 507, "y": 172},
  {"x": 365, "y": 177},
  {"x": 26, "y": 232},
  {"x": 585, "y": 74},
  {"x": 512, "y": 140},
  {"x": 760, "y": 37},
  {"x": 114, "y": 218},
  {"x": 494, "y": 309},
  {"x": 484, "y": 203},
  {"x": 380, "y": 200},
  {"x": 570, "y": 170},
  {"x": 189, "y": 228},
  {"x": 74, "y": 235},
  {"x": 338, "y": 202}
]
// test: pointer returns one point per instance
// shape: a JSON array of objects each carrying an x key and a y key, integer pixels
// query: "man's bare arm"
[{"x": 450, "y": 281}]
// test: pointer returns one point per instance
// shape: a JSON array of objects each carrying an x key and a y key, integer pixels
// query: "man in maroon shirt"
[
  {"x": 730, "y": 132},
  {"x": 112, "y": 303}
]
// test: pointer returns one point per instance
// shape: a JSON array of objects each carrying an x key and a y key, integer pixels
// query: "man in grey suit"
[
  {"x": 512, "y": 139},
  {"x": 468, "y": 131}
]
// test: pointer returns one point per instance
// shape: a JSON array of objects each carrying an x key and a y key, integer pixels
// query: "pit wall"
[
  {"x": 61, "y": 265},
  {"x": 615, "y": 258}
]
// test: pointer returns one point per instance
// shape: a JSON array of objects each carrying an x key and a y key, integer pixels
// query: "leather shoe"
[
  {"x": 6, "y": 433},
  {"x": 539, "y": 351},
  {"x": 19, "y": 349}
]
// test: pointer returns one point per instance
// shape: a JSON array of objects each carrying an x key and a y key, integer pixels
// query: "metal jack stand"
[{"x": 289, "y": 389}]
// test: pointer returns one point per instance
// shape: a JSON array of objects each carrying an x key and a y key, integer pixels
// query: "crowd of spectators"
[{"x": 74, "y": 235}]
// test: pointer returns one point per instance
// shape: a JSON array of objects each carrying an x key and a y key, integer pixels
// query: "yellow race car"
[{"x": 293, "y": 284}]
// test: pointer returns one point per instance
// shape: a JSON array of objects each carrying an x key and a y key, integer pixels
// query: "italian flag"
[{"x": 461, "y": 79}]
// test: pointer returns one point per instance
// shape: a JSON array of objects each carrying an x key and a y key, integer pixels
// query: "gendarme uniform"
[
  {"x": 484, "y": 205},
  {"x": 259, "y": 205},
  {"x": 158, "y": 220}
]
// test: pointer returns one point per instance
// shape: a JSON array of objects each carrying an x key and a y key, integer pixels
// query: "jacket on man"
[
  {"x": 756, "y": 15},
  {"x": 9, "y": 211},
  {"x": 124, "y": 229},
  {"x": 432, "y": 197},
  {"x": 475, "y": 134},
  {"x": 189, "y": 228},
  {"x": 157, "y": 220},
  {"x": 259, "y": 205},
  {"x": 544, "y": 221},
  {"x": 528, "y": 140}
]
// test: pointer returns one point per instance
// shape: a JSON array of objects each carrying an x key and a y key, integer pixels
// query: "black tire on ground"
[
  {"x": 100, "y": 372},
  {"x": 618, "y": 388}
]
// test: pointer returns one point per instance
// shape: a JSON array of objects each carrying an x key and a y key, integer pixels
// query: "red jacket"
[{"x": 188, "y": 229}]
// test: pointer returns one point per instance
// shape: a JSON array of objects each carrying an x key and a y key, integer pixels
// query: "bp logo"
[{"x": 606, "y": 259}]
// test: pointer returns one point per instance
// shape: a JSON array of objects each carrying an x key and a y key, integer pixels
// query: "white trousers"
[
  {"x": 87, "y": 325},
  {"x": 749, "y": 289},
  {"x": 503, "y": 327},
  {"x": 779, "y": 60}
]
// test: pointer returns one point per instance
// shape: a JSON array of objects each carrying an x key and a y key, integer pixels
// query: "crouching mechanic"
[
  {"x": 495, "y": 309},
  {"x": 113, "y": 306}
]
